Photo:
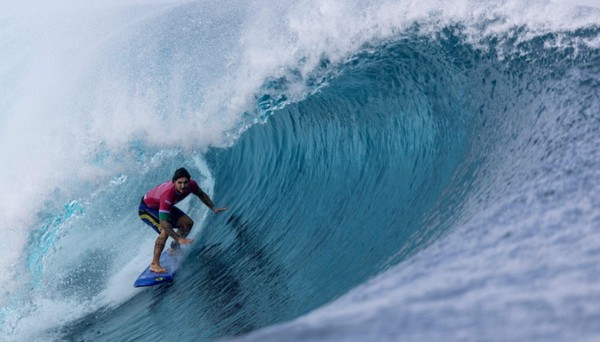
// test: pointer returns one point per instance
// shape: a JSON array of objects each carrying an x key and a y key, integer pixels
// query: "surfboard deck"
[{"x": 170, "y": 262}]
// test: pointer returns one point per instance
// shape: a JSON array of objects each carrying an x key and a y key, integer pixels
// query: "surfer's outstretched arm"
[{"x": 209, "y": 203}]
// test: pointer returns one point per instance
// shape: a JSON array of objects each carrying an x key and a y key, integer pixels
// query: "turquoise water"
[{"x": 436, "y": 181}]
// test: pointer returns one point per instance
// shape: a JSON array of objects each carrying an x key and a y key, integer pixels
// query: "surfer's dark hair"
[{"x": 181, "y": 172}]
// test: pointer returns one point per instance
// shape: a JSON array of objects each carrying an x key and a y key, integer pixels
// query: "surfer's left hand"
[{"x": 218, "y": 210}]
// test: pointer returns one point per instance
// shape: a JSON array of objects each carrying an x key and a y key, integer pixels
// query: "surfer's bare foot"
[{"x": 157, "y": 269}]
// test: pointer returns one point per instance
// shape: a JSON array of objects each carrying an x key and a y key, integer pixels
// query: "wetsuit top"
[{"x": 164, "y": 196}]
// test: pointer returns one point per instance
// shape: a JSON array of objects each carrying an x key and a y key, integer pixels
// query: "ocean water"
[{"x": 394, "y": 170}]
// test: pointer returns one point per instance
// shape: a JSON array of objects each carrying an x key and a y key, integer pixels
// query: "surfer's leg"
[
  {"x": 159, "y": 245},
  {"x": 185, "y": 224}
]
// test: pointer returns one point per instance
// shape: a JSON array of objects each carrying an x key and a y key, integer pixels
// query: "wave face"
[{"x": 419, "y": 172}]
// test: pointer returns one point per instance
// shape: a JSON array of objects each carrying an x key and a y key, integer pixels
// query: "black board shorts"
[{"x": 150, "y": 216}]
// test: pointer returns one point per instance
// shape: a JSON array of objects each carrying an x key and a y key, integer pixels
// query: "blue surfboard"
[{"x": 170, "y": 262}]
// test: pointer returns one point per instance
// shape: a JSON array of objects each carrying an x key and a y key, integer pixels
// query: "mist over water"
[{"x": 403, "y": 149}]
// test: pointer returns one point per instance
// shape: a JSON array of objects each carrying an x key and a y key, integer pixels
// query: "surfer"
[{"x": 157, "y": 209}]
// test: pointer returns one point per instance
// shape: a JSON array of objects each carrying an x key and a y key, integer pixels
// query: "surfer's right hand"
[{"x": 185, "y": 241}]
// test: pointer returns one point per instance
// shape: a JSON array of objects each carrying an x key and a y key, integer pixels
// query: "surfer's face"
[{"x": 182, "y": 184}]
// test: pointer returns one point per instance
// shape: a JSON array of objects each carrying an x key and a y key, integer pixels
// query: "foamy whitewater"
[{"x": 394, "y": 170}]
